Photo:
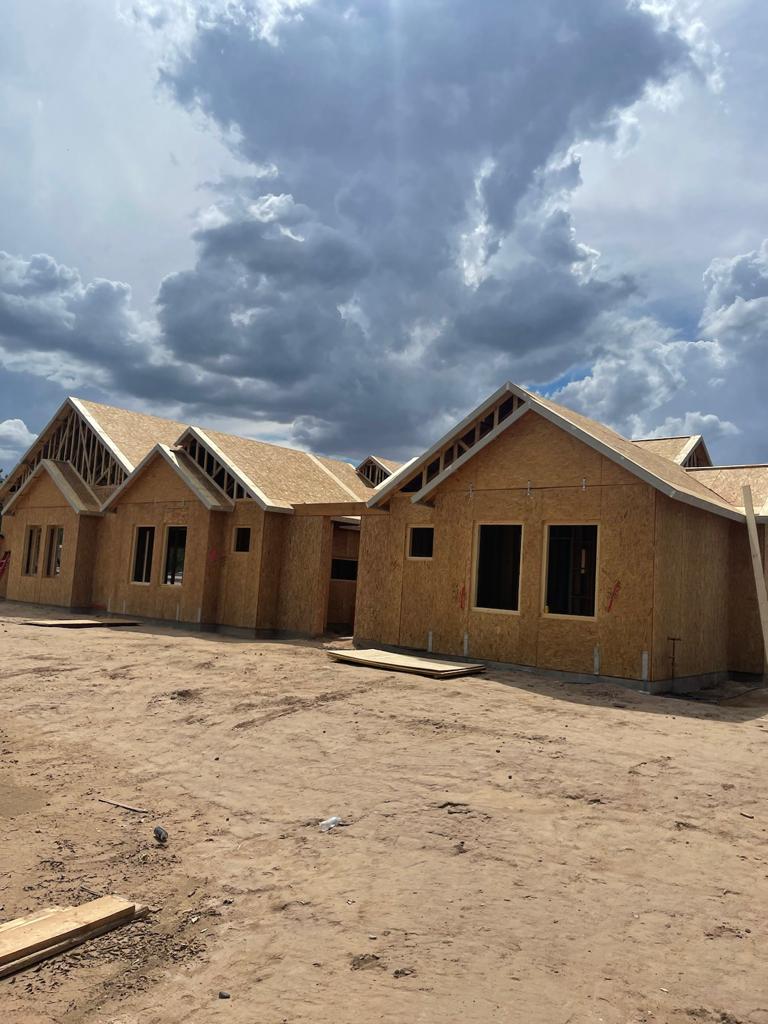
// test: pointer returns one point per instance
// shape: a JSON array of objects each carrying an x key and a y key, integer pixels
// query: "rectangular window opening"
[
  {"x": 344, "y": 569},
  {"x": 53, "y": 547},
  {"x": 571, "y": 570},
  {"x": 242, "y": 538},
  {"x": 421, "y": 542},
  {"x": 142, "y": 557},
  {"x": 32, "y": 550},
  {"x": 498, "y": 567},
  {"x": 175, "y": 550}
]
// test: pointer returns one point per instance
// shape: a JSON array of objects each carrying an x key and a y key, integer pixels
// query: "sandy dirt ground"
[{"x": 514, "y": 849}]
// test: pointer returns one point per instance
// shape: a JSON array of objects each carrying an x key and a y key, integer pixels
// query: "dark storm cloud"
[{"x": 410, "y": 246}]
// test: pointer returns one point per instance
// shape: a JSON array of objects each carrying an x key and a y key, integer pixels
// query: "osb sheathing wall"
[
  {"x": 43, "y": 505},
  {"x": 305, "y": 575},
  {"x": 400, "y": 601},
  {"x": 239, "y": 571},
  {"x": 139, "y": 505},
  {"x": 693, "y": 589}
]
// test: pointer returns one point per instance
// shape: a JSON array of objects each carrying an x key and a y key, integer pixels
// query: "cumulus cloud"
[{"x": 15, "y": 438}]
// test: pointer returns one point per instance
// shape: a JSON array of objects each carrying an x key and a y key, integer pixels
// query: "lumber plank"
[
  {"x": 37, "y": 916},
  {"x": 406, "y": 663},
  {"x": 67, "y": 944},
  {"x": 29, "y": 938},
  {"x": 757, "y": 565}
]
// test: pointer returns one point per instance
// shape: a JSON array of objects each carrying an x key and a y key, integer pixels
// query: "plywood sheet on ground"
[
  {"x": 407, "y": 663},
  {"x": 79, "y": 623}
]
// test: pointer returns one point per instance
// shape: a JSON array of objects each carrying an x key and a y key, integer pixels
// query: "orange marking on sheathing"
[{"x": 613, "y": 594}]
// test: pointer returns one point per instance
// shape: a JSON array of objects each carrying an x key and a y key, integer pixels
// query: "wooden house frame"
[{"x": 671, "y": 554}]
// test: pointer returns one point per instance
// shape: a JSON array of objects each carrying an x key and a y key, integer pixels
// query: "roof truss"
[
  {"x": 222, "y": 472},
  {"x": 73, "y": 437},
  {"x": 455, "y": 448}
]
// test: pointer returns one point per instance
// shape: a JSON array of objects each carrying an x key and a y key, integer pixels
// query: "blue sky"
[{"x": 340, "y": 225}]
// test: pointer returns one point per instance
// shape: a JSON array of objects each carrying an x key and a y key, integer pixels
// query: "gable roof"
[
  {"x": 727, "y": 481},
  {"x": 203, "y": 489},
  {"x": 134, "y": 434},
  {"x": 74, "y": 489},
  {"x": 286, "y": 476},
  {"x": 656, "y": 470},
  {"x": 275, "y": 476}
]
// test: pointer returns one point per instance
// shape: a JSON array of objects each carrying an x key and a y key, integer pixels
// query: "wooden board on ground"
[
  {"x": 55, "y": 930},
  {"x": 407, "y": 663},
  {"x": 79, "y": 623}
]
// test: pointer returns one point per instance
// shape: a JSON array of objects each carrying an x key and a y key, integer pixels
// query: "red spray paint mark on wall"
[
  {"x": 615, "y": 589},
  {"x": 462, "y": 596}
]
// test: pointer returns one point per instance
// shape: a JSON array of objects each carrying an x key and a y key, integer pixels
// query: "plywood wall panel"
[
  {"x": 153, "y": 500},
  {"x": 274, "y": 528},
  {"x": 379, "y": 582},
  {"x": 239, "y": 571},
  {"x": 691, "y": 594},
  {"x": 534, "y": 474},
  {"x": 43, "y": 505},
  {"x": 303, "y": 599}
]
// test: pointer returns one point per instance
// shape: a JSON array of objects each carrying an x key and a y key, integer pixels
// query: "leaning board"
[{"x": 407, "y": 663}]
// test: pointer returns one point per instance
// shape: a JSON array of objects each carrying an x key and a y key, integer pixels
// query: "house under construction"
[
  {"x": 528, "y": 534},
  {"x": 133, "y": 514}
]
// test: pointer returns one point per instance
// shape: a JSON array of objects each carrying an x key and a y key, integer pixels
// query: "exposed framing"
[
  {"x": 373, "y": 471},
  {"x": 529, "y": 400},
  {"x": 545, "y": 569},
  {"x": 474, "y": 432},
  {"x": 73, "y": 436},
  {"x": 473, "y": 606},
  {"x": 223, "y": 472}
]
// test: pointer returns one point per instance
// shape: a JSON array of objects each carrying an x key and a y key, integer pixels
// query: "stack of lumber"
[
  {"x": 407, "y": 663},
  {"x": 46, "y": 933}
]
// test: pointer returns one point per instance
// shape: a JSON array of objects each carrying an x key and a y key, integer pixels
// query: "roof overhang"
[
  {"x": 531, "y": 403},
  {"x": 205, "y": 494},
  {"x": 68, "y": 492},
  {"x": 384, "y": 490}
]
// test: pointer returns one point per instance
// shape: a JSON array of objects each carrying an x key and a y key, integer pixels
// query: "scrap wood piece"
[
  {"x": 78, "y": 623},
  {"x": 125, "y": 807},
  {"x": 407, "y": 663},
  {"x": 29, "y": 940}
]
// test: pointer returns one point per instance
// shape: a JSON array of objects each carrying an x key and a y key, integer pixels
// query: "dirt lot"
[{"x": 516, "y": 849}]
